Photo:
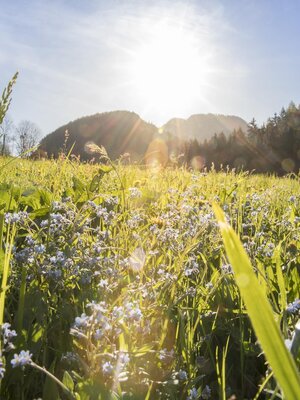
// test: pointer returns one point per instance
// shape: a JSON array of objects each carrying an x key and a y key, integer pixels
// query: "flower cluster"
[
  {"x": 294, "y": 307},
  {"x": 21, "y": 359}
]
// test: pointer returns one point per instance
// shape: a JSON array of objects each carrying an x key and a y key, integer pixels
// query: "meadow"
[{"x": 118, "y": 282}]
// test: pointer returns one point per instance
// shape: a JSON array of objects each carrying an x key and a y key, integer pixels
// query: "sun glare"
[{"x": 170, "y": 66}]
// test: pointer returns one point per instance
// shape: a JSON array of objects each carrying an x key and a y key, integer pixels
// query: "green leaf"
[
  {"x": 78, "y": 185},
  {"x": 45, "y": 197},
  {"x": 103, "y": 169},
  {"x": 260, "y": 312},
  {"x": 40, "y": 212},
  {"x": 68, "y": 381},
  {"x": 50, "y": 390},
  {"x": 280, "y": 278},
  {"x": 94, "y": 185},
  {"x": 31, "y": 197}
]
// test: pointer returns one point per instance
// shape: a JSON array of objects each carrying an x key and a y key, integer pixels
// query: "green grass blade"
[
  {"x": 260, "y": 312},
  {"x": 5, "y": 272},
  {"x": 280, "y": 278}
]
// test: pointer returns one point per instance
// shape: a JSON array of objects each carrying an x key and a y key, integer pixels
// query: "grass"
[
  {"x": 260, "y": 312},
  {"x": 121, "y": 284}
]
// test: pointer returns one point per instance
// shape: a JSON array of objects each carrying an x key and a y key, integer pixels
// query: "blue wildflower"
[
  {"x": 294, "y": 307},
  {"x": 21, "y": 359},
  {"x": 107, "y": 368}
]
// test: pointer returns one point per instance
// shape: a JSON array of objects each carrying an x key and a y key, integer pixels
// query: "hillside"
[
  {"x": 118, "y": 131},
  {"x": 125, "y": 132},
  {"x": 204, "y": 126}
]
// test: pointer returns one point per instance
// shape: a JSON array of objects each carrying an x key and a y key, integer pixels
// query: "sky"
[{"x": 160, "y": 59}]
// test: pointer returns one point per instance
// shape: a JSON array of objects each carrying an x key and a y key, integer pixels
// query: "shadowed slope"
[{"x": 118, "y": 131}]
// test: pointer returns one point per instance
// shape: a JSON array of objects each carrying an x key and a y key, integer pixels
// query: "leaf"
[
  {"x": 68, "y": 381},
  {"x": 280, "y": 278},
  {"x": 103, "y": 169},
  {"x": 94, "y": 185},
  {"x": 78, "y": 185},
  {"x": 5, "y": 198},
  {"x": 40, "y": 212},
  {"x": 31, "y": 197},
  {"x": 45, "y": 197},
  {"x": 260, "y": 312},
  {"x": 50, "y": 390}
]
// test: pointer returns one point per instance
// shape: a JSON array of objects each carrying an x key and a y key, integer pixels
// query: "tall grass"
[
  {"x": 260, "y": 312},
  {"x": 146, "y": 243}
]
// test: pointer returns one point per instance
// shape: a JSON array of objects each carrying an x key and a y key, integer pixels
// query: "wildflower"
[
  {"x": 103, "y": 283},
  {"x": 7, "y": 332},
  {"x": 11, "y": 218},
  {"x": 44, "y": 223},
  {"x": 190, "y": 270},
  {"x": 70, "y": 357},
  {"x": 22, "y": 359},
  {"x": 39, "y": 248},
  {"x": 134, "y": 193},
  {"x": 182, "y": 375},
  {"x": 227, "y": 269},
  {"x": 124, "y": 358},
  {"x": 118, "y": 312},
  {"x": 98, "y": 334},
  {"x": 193, "y": 394},
  {"x": 165, "y": 355},
  {"x": 191, "y": 292},
  {"x": 135, "y": 221},
  {"x": 81, "y": 321},
  {"x": 29, "y": 241},
  {"x": 134, "y": 313},
  {"x": 294, "y": 307},
  {"x": 8, "y": 335},
  {"x": 99, "y": 308},
  {"x": 206, "y": 393},
  {"x": 107, "y": 368}
]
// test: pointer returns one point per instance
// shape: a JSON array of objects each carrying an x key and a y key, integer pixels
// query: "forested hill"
[
  {"x": 204, "y": 126},
  {"x": 125, "y": 132},
  {"x": 273, "y": 147},
  {"x": 118, "y": 131}
]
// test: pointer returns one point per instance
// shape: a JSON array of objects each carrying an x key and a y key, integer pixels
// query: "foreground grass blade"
[
  {"x": 260, "y": 312},
  {"x": 11, "y": 231}
]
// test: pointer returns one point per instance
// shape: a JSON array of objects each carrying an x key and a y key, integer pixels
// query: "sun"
[{"x": 170, "y": 66}]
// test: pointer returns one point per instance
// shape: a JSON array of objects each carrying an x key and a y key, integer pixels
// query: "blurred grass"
[{"x": 260, "y": 312}]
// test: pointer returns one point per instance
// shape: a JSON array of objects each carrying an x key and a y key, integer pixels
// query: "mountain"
[
  {"x": 125, "y": 132},
  {"x": 204, "y": 126},
  {"x": 118, "y": 131}
]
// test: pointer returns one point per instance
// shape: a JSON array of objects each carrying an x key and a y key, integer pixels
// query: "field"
[{"x": 117, "y": 285}]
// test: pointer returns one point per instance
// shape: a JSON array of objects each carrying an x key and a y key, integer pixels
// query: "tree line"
[
  {"x": 18, "y": 139},
  {"x": 273, "y": 147}
]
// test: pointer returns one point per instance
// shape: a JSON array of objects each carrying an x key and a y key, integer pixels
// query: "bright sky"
[{"x": 161, "y": 59}]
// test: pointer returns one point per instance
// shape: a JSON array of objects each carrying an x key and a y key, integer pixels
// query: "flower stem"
[{"x": 59, "y": 383}]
